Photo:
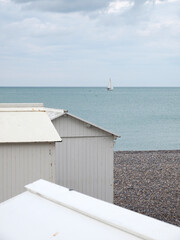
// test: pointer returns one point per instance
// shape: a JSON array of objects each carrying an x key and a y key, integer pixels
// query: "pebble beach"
[{"x": 148, "y": 182}]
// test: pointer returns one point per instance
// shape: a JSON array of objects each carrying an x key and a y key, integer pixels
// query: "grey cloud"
[{"x": 64, "y": 5}]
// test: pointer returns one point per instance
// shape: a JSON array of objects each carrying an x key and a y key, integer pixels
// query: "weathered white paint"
[
  {"x": 21, "y": 105},
  {"x": 25, "y": 126},
  {"x": 72, "y": 127},
  {"x": 48, "y": 211},
  {"x": 84, "y": 159},
  {"x": 85, "y": 164},
  {"x": 55, "y": 113},
  {"x": 23, "y": 163},
  {"x": 27, "y": 147}
]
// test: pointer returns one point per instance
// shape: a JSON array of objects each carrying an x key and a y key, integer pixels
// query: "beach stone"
[{"x": 148, "y": 182}]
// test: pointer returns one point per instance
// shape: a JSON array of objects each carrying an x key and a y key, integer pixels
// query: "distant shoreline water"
[{"x": 146, "y": 118}]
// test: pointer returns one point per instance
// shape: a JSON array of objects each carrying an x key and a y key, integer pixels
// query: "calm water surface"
[{"x": 145, "y": 118}]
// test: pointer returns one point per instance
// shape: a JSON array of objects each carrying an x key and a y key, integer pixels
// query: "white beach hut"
[
  {"x": 84, "y": 159},
  {"x": 27, "y": 147},
  {"x": 47, "y": 211}
]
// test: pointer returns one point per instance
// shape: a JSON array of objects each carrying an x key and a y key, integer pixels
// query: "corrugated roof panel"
[
  {"x": 54, "y": 113},
  {"x": 28, "y": 126}
]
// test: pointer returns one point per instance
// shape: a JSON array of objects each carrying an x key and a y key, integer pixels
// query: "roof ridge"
[{"x": 133, "y": 223}]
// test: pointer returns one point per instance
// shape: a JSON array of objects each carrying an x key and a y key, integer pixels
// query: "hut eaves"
[{"x": 55, "y": 113}]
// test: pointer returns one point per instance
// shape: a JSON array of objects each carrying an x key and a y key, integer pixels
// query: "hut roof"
[
  {"x": 48, "y": 211},
  {"x": 20, "y": 123},
  {"x": 56, "y": 113},
  {"x": 51, "y": 112}
]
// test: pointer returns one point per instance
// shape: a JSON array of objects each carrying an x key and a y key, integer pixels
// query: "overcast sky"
[{"x": 84, "y": 42}]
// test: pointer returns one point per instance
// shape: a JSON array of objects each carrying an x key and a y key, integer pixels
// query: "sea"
[{"x": 145, "y": 118}]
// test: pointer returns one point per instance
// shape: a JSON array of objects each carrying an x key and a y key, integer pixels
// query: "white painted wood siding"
[
  {"x": 67, "y": 126},
  {"x": 86, "y": 165},
  {"x": 20, "y": 164},
  {"x": 84, "y": 158}
]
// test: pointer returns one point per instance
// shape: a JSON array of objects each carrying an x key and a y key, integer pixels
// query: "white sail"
[{"x": 110, "y": 86}]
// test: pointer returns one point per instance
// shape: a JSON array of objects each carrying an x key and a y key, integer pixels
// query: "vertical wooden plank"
[
  {"x": 88, "y": 166},
  {"x": 21, "y": 164},
  {"x": 84, "y": 158}
]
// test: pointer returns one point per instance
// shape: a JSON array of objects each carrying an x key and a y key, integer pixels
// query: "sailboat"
[{"x": 110, "y": 86}]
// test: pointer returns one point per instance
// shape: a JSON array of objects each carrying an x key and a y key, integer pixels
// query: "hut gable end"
[{"x": 69, "y": 126}]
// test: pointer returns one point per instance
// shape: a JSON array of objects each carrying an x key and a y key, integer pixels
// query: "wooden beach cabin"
[
  {"x": 84, "y": 159},
  {"x": 27, "y": 147},
  {"x": 48, "y": 211}
]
